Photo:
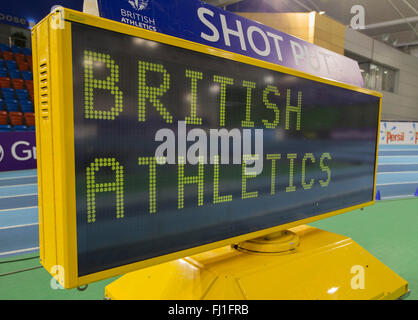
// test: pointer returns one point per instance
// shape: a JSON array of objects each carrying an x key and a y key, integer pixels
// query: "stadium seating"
[
  {"x": 3, "y": 118},
  {"x": 29, "y": 85},
  {"x": 29, "y": 61},
  {"x": 8, "y": 93},
  {"x": 26, "y": 106},
  {"x": 16, "y": 49},
  {"x": 4, "y": 47},
  {"x": 20, "y": 128},
  {"x": 4, "y": 82},
  {"x": 16, "y": 89},
  {"x": 7, "y": 55},
  {"x": 12, "y": 105},
  {"x": 18, "y": 83},
  {"x": 26, "y": 74},
  {"x": 5, "y": 128},
  {"x": 19, "y": 57},
  {"x": 16, "y": 118},
  {"x": 27, "y": 51},
  {"x": 11, "y": 65},
  {"x": 15, "y": 74},
  {"x": 29, "y": 119},
  {"x": 22, "y": 94},
  {"x": 23, "y": 66}
]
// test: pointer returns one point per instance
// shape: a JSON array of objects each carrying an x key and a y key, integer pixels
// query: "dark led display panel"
[{"x": 318, "y": 148}]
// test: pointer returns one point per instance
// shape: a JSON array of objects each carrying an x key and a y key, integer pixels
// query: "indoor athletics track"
[{"x": 397, "y": 178}]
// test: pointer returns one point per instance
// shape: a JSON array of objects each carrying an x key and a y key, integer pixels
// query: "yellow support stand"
[{"x": 302, "y": 263}]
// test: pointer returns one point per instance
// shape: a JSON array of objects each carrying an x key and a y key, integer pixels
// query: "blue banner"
[
  {"x": 26, "y": 13},
  {"x": 202, "y": 23},
  {"x": 17, "y": 151}
]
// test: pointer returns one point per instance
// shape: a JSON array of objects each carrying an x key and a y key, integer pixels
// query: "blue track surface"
[
  {"x": 18, "y": 213},
  {"x": 397, "y": 177},
  {"x": 397, "y": 171}
]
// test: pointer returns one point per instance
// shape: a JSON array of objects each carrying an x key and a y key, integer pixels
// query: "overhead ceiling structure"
[{"x": 392, "y": 21}]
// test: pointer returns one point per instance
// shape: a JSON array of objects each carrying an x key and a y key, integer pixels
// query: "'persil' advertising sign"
[
  {"x": 399, "y": 132},
  {"x": 17, "y": 151}
]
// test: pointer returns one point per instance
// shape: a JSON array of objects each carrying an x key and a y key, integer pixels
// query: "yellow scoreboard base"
[{"x": 312, "y": 264}]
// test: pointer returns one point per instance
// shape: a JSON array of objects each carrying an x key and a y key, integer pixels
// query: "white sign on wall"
[{"x": 398, "y": 132}]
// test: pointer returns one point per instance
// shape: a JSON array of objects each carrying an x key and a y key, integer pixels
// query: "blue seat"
[
  {"x": 16, "y": 49},
  {"x": 12, "y": 105},
  {"x": 5, "y": 128},
  {"x": 27, "y": 75},
  {"x": 1, "y": 104},
  {"x": 26, "y": 103},
  {"x": 26, "y": 106},
  {"x": 8, "y": 96},
  {"x": 27, "y": 51},
  {"x": 22, "y": 95},
  {"x": 12, "y": 69},
  {"x": 31, "y": 128},
  {"x": 8, "y": 92},
  {"x": 21, "y": 92},
  {"x": 11, "y": 64},
  {"x": 27, "y": 109},
  {"x": 4, "y": 47},
  {"x": 15, "y": 74},
  {"x": 20, "y": 128},
  {"x": 1, "y": 63},
  {"x": 3, "y": 73}
]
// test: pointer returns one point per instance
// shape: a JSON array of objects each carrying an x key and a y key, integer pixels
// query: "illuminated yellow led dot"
[
  {"x": 224, "y": 81},
  {"x": 216, "y": 197},
  {"x": 93, "y": 187},
  {"x": 194, "y": 76},
  {"x": 325, "y": 168},
  {"x": 91, "y": 84},
  {"x": 273, "y": 158},
  {"x": 247, "y": 122},
  {"x": 269, "y": 105},
  {"x": 246, "y": 175},
  {"x": 151, "y": 93},
  {"x": 305, "y": 185},
  {"x": 291, "y": 157},
  {"x": 297, "y": 110},
  {"x": 182, "y": 180}
]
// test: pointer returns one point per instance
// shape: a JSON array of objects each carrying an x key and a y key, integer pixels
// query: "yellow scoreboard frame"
[{"x": 53, "y": 79}]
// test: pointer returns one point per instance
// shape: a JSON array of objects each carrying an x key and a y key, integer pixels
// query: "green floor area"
[
  {"x": 36, "y": 284},
  {"x": 389, "y": 230}
]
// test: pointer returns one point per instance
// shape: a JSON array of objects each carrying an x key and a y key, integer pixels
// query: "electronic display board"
[{"x": 132, "y": 93}]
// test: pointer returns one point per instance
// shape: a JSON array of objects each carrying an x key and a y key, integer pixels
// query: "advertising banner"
[
  {"x": 202, "y": 23},
  {"x": 17, "y": 151},
  {"x": 398, "y": 132}
]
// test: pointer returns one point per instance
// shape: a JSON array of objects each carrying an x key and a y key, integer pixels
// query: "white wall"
[
  {"x": 414, "y": 51},
  {"x": 403, "y": 104}
]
